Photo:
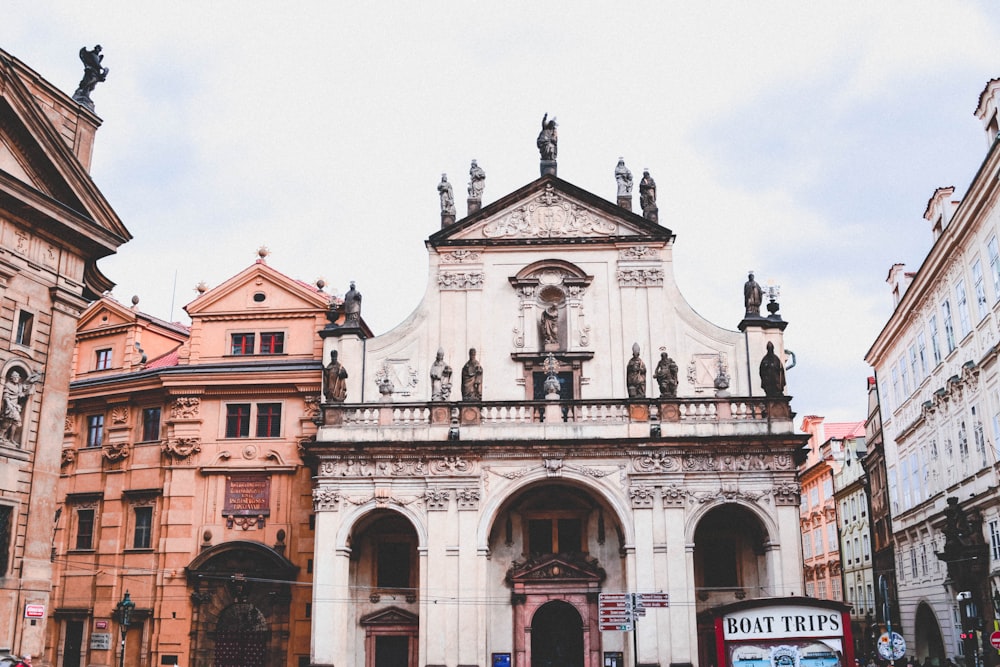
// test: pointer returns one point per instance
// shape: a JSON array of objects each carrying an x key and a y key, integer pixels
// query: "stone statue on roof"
[
  {"x": 548, "y": 139},
  {"x": 772, "y": 373},
  {"x": 647, "y": 195},
  {"x": 447, "y": 196},
  {"x": 752, "y": 296},
  {"x": 477, "y": 181},
  {"x": 352, "y": 307},
  {"x": 624, "y": 178},
  {"x": 93, "y": 73}
]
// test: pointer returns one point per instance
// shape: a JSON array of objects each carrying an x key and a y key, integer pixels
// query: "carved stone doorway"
[
  {"x": 557, "y": 636},
  {"x": 390, "y": 638},
  {"x": 241, "y": 637}
]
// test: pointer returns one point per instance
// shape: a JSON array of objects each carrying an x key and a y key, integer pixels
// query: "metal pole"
[
  {"x": 121, "y": 661},
  {"x": 635, "y": 633}
]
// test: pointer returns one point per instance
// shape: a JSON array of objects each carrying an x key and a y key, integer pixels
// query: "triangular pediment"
[
  {"x": 390, "y": 616},
  {"x": 258, "y": 288},
  {"x": 103, "y": 314},
  {"x": 552, "y": 568},
  {"x": 551, "y": 211}
]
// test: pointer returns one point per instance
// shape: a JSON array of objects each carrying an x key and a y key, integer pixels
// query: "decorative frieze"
[
  {"x": 659, "y": 461},
  {"x": 185, "y": 407},
  {"x": 640, "y": 277},
  {"x": 399, "y": 467},
  {"x": 460, "y": 280},
  {"x": 549, "y": 215},
  {"x": 639, "y": 253},
  {"x": 656, "y": 461},
  {"x": 461, "y": 257}
]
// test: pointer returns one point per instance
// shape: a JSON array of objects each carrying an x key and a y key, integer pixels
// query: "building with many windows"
[
  {"x": 182, "y": 482},
  {"x": 936, "y": 366},
  {"x": 54, "y": 226},
  {"x": 553, "y": 423}
]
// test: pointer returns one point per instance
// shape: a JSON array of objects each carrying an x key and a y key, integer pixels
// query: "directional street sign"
[{"x": 651, "y": 600}]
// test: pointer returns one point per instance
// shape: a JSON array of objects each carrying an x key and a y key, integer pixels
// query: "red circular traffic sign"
[{"x": 995, "y": 639}]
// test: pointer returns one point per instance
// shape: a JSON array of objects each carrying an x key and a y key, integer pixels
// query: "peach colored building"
[
  {"x": 182, "y": 479},
  {"x": 54, "y": 226}
]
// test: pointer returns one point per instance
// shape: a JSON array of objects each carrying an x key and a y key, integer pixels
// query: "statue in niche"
[
  {"x": 635, "y": 375},
  {"x": 472, "y": 378},
  {"x": 624, "y": 178},
  {"x": 440, "y": 378},
  {"x": 647, "y": 193},
  {"x": 15, "y": 396},
  {"x": 335, "y": 380},
  {"x": 772, "y": 373},
  {"x": 352, "y": 307},
  {"x": 666, "y": 376},
  {"x": 477, "y": 181},
  {"x": 447, "y": 196},
  {"x": 752, "y": 296},
  {"x": 548, "y": 139},
  {"x": 550, "y": 325},
  {"x": 93, "y": 74}
]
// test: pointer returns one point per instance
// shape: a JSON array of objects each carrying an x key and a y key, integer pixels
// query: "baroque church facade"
[{"x": 553, "y": 423}]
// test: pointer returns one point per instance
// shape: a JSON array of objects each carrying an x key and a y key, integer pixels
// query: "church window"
[
  {"x": 393, "y": 564},
  {"x": 555, "y": 535}
]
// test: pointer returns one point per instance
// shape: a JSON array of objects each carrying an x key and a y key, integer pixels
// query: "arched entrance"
[
  {"x": 557, "y": 636},
  {"x": 241, "y": 635},
  {"x": 241, "y": 594},
  {"x": 929, "y": 642}
]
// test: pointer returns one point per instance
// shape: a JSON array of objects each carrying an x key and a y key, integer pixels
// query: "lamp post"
[{"x": 124, "y": 612}]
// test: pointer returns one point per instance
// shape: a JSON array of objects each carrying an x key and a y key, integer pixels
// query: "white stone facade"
[{"x": 505, "y": 516}]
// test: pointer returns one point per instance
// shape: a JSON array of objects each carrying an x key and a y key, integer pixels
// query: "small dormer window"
[
  {"x": 102, "y": 360},
  {"x": 242, "y": 344},
  {"x": 272, "y": 342}
]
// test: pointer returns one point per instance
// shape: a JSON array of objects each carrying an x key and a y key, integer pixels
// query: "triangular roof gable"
[
  {"x": 549, "y": 210},
  {"x": 389, "y": 616},
  {"x": 93, "y": 317},
  {"x": 228, "y": 297},
  {"x": 557, "y": 567},
  {"x": 53, "y": 168}
]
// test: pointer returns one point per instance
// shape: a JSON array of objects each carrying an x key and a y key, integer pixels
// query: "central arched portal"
[
  {"x": 241, "y": 637},
  {"x": 557, "y": 636}
]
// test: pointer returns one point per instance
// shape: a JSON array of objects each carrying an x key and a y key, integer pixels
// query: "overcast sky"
[{"x": 798, "y": 139}]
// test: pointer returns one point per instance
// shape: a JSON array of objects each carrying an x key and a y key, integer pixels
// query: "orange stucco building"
[{"x": 182, "y": 480}]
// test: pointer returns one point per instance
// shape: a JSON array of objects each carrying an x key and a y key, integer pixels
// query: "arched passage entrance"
[
  {"x": 929, "y": 642},
  {"x": 557, "y": 636},
  {"x": 241, "y": 594}
]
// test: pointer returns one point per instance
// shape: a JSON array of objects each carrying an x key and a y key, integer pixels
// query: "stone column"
[{"x": 332, "y": 619}]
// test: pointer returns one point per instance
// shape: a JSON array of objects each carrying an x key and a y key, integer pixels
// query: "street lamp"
[{"x": 124, "y": 611}]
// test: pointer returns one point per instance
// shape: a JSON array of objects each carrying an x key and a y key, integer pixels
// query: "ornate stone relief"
[
  {"x": 68, "y": 425},
  {"x": 549, "y": 215},
  {"x": 68, "y": 457},
  {"x": 119, "y": 414},
  {"x": 460, "y": 280},
  {"x": 638, "y": 277},
  {"x": 363, "y": 467},
  {"x": 461, "y": 257},
  {"x": 642, "y": 496},
  {"x": 468, "y": 499},
  {"x": 325, "y": 499},
  {"x": 787, "y": 493},
  {"x": 116, "y": 452},
  {"x": 553, "y": 468},
  {"x": 181, "y": 448},
  {"x": 437, "y": 499},
  {"x": 311, "y": 408},
  {"x": 639, "y": 253},
  {"x": 660, "y": 461},
  {"x": 398, "y": 376},
  {"x": 185, "y": 407},
  {"x": 656, "y": 461}
]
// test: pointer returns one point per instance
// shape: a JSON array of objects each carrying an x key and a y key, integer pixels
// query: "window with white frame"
[
  {"x": 994, "y": 253},
  {"x": 818, "y": 541},
  {"x": 913, "y": 562},
  {"x": 962, "y": 303},
  {"x": 923, "y": 559},
  {"x": 866, "y": 546},
  {"x": 922, "y": 353},
  {"x": 904, "y": 373},
  {"x": 904, "y": 474},
  {"x": 915, "y": 483},
  {"x": 980, "y": 289},
  {"x": 807, "y": 549},
  {"x": 913, "y": 365},
  {"x": 835, "y": 582},
  {"x": 963, "y": 442},
  {"x": 994, "y": 528},
  {"x": 831, "y": 535},
  {"x": 869, "y": 598},
  {"x": 935, "y": 345},
  {"x": 949, "y": 327},
  {"x": 895, "y": 387}
]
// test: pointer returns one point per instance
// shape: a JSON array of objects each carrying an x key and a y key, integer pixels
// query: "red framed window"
[
  {"x": 272, "y": 342},
  {"x": 238, "y": 420},
  {"x": 242, "y": 344},
  {"x": 268, "y": 420},
  {"x": 103, "y": 360}
]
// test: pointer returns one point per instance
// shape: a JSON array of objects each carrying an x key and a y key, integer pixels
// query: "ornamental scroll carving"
[
  {"x": 639, "y": 253},
  {"x": 660, "y": 461},
  {"x": 786, "y": 493},
  {"x": 460, "y": 280},
  {"x": 181, "y": 448},
  {"x": 119, "y": 414},
  {"x": 549, "y": 215},
  {"x": 642, "y": 496},
  {"x": 468, "y": 499},
  {"x": 437, "y": 499},
  {"x": 114, "y": 452},
  {"x": 460, "y": 257},
  {"x": 185, "y": 407},
  {"x": 656, "y": 462}
]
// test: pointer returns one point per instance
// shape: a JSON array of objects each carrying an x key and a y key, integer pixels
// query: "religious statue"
[
  {"x": 635, "y": 375},
  {"x": 647, "y": 194},
  {"x": 15, "y": 395},
  {"x": 624, "y": 178},
  {"x": 93, "y": 73},
  {"x": 334, "y": 380},
  {"x": 550, "y": 325},
  {"x": 666, "y": 376},
  {"x": 440, "y": 378},
  {"x": 477, "y": 181},
  {"x": 447, "y": 196},
  {"x": 472, "y": 378},
  {"x": 752, "y": 297},
  {"x": 352, "y": 307},
  {"x": 548, "y": 138},
  {"x": 772, "y": 373}
]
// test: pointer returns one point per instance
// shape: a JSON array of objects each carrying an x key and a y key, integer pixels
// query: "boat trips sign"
[{"x": 784, "y": 632}]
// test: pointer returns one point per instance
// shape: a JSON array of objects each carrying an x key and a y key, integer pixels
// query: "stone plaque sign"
[
  {"x": 247, "y": 495},
  {"x": 100, "y": 641}
]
